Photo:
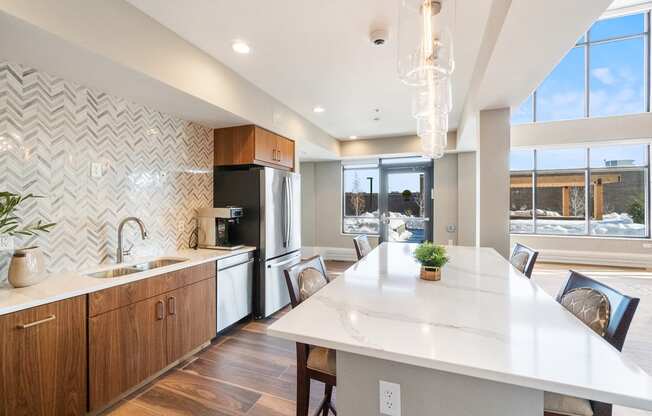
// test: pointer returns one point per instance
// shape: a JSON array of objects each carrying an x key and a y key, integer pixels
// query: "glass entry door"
[{"x": 405, "y": 202}]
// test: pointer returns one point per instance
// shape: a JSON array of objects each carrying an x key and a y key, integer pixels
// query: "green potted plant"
[
  {"x": 27, "y": 264},
  {"x": 432, "y": 258}
]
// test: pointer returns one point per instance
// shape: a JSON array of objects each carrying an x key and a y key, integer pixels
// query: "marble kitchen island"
[{"x": 484, "y": 340}]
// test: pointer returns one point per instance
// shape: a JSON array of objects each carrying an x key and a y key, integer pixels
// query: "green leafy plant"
[
  {"x": 431, "y": 255},
  {"x": 11, "y": 224},
  {"x": 636, "y": 210}
]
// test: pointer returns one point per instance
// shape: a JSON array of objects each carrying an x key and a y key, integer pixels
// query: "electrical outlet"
[
  {"x": 96, "y": 170},
  {"x": 390, "y": 398},
  {"x": 451, "y": 228},
  {"x": 181, "y": 227}
]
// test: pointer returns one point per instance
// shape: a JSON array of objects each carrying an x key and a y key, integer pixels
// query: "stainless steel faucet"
[{"x": 143, "y": 233}]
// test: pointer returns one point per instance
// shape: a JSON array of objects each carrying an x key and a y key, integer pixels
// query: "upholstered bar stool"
[
  {"x": 362, "y": 246},
  {"x": 523, "y": 259},
  {"x": 607, "y": 312},
  {"x": 303, "y": 280}
]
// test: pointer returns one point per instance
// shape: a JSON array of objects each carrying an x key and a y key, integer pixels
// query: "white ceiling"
[{"x": 313, "y": 52}]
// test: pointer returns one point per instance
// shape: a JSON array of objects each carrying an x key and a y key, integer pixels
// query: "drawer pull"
[
  {"x": 35, "y": 323},
  {"x": 172, "y": 305},
  {"x": 160, "y": 310}
]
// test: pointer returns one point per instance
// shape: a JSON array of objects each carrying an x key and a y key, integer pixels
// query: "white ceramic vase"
[{"x": 27, "y": 267}]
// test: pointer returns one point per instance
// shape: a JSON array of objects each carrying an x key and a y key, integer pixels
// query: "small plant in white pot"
[
  {"x": 27, "y": 265},
  {"x": 432, "y": 258}
]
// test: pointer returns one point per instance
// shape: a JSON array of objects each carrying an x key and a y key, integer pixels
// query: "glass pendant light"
[
  {"x": 425, "y": 61},
  {"x": 435, "y": 97},
  {"x": 425, "y": 44}
]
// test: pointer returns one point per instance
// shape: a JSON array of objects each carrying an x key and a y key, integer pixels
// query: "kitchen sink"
[
  {"x": 141, "y": 267},
  {"x": 120, "y": 271},
  {"x": 155, "y": 264}
]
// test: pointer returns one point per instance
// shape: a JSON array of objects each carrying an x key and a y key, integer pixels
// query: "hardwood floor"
[{"x": 246, "y": 372}]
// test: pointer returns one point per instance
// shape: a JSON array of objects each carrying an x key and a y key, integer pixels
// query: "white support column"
[{"x": 492, "y": 173}]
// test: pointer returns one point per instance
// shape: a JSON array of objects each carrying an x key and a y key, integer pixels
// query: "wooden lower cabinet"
[
  {"x": 132, "y": 343},
  {"x": 126, "y": 346},
  {"x": 191, "y": 318},
  {"x": 43, "y": 360}
]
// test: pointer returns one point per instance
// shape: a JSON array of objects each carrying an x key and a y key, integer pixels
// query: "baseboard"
[
  {"x": 597, "y": 258},
  {"x": 330, "y": 253}
]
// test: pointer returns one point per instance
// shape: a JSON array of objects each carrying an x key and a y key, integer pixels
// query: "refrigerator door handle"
[
  {"x": 290, "y": 209},
  {"x": 285, "y": 212},
  {"x": 283, "y": 263}
]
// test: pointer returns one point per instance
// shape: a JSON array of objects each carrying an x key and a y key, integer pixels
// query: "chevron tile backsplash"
[{"x": 155, "y": 167}]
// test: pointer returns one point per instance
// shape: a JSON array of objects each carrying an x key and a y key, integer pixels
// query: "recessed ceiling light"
[
  {"x": 319, "y": 109},
  {"x": 240, "y": 46},
  {"x": 353, "y": 137}
]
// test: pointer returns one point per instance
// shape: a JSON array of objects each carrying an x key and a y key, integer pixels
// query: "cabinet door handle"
[
  {"x": 279, "y": 156},
  {"x": 274, "y": 155},
  {"x": 172, "y": 305},
  {"x": 35, "y": 323},
  {"x": 160, "y": 310}
]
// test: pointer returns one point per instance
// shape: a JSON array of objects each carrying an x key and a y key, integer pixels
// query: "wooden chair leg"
[
  {"x": 303, "y": 392},
  {"x": 328, "y": 394}
]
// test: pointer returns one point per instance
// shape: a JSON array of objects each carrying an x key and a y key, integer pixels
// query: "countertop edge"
[
  {"x": 107, "y": 283},
  {"x": 485, "y": 374}
]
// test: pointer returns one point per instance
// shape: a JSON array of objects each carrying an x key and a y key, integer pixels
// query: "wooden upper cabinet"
[
  {"x": 43, "y": 360},
  {"x": 285, "y": 148},
  {"x": 253, "y": 145}
]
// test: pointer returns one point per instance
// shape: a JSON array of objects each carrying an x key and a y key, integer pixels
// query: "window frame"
[
  {"x": 587, "y": 170},
  {"x": 343, "y": 215},
  {"x": 585, "y": 42}
]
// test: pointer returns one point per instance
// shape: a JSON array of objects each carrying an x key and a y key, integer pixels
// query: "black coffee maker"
[{"x": 214, "y": 227}]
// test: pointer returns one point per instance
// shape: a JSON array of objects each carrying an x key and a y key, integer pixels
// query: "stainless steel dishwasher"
[{"x": 234, "y": 289}]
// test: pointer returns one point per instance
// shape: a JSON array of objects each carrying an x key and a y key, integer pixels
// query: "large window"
[
  {"x": 605, "y": 74},
  {"x": 389, "y": 197},
  {"x": 360, "y": 185},
  {"x": 598, "y": 191}
]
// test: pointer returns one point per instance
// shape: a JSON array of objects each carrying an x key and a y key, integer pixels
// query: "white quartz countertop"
[
  {"x": 66, "y": 285},
  {"x": 483, "y": 319}
]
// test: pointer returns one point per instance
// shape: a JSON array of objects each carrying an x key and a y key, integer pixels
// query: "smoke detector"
[{"x": 379, "y": 37}]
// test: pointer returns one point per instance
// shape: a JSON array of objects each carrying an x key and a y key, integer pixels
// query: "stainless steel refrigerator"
[{"x": 271, "y": 199}]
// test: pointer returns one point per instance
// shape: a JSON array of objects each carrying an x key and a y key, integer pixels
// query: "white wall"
[
  {"x": 388, "y": 146},
  {"x": 307, "y": 204},
  {"x": 322, "y": 207},
  {"x": 106, "y": 40},
  {"x": 466, "y": 198},
  {"x": 583, "y": 131},
  {"x": 492, "y": 172},
  {"x": 445, "y": 203}
]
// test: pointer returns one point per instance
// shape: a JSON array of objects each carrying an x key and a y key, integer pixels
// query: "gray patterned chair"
[
  {"x": 304, "y": 279},
  {"x": 607, "y": 312},
  {"x": 523, "y": 259},
  {"x": 362, "y": 246}
]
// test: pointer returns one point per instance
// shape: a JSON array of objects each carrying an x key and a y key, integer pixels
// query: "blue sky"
[
  {"x": 576, "y": 157},
  {"x": 616, "y": 76}
]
